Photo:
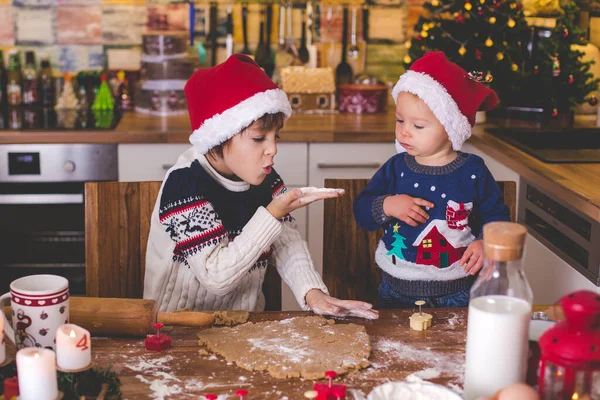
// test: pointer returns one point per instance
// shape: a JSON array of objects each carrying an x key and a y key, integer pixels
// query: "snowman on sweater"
[{"x": 432, "y": 199}]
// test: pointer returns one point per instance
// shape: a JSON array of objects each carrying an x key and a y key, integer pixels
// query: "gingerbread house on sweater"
[{"x": 443, "y": 242}]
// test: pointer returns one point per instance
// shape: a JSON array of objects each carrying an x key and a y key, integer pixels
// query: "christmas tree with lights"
[
  {"x": 559, "y": 78},
  {"x": 479, "y": 35}
]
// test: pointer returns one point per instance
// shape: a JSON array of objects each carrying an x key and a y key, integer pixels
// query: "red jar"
[{"x": 362, "y": 98}]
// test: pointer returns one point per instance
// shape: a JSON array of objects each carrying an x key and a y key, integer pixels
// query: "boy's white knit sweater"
[{"x": 225, "y": 271}]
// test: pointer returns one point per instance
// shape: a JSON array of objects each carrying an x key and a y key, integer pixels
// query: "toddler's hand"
[
  {"x": 407, "y": 209},
  {"x": 294, "y": 199},
  {"x": 472, "y": 259},
  {"x": 323, "y": 304}
]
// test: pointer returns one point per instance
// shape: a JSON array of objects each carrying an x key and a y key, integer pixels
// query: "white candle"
[
  {"x": 36, "y": 369},
  {"x": 2, "y": 348},
  {"x": 73, "y": 347}
]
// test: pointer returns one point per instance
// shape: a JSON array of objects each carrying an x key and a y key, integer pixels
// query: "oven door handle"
[{"x": 62, "y": 198}]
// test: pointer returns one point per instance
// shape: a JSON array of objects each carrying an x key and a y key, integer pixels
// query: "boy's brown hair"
[{"x": 267, "y": 122}]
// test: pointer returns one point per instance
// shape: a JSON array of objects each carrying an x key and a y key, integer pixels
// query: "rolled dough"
[{"x": 297, "y": 347}]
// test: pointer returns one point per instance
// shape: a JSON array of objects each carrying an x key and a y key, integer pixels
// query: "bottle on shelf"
[
  {"x": 14, "y": 80},
  {"x": 47, "y": 93},
  {"x": 122, "y": 98},
  {"x": 3, "y": 81},
  {"x": 499, "y": 314},
  {"x": 31, "y": 96}
]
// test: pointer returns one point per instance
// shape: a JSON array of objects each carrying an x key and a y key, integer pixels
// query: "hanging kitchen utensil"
[
  {"x": 246, "y": 50},
  {"x": 284, "y": 56},
  {"x": 353, "y": 50},
  {"x": 289, "y": 42},
  {"x": 229, "y": 37},
  {"x": 343, "y": 72},
  {"x": 303, "y": 49},
  {"x": 270, "y": 64},
  {"x": 192, "y": 12},
  {"x": 312, "y": 49},
  {"x": 212, "y": 35},
  {"x": 262, "y": 56}
]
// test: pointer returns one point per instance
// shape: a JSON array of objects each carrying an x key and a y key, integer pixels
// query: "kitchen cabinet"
[{"x": 151, "y": 161}]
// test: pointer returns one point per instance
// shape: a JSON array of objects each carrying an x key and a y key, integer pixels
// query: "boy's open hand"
[
  {"x": 407, "y": 209},
  {"x": 323, "y": 304},
  {"x": 282, "y": 205},
  {"x": 472, "y": 259}
]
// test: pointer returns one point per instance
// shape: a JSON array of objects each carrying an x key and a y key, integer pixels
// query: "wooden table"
[
  {"x": 436, "y": 355},
  {"x": 397, "y": 353}
]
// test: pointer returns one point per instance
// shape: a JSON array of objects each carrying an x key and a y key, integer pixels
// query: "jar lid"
[
  {"x": 575, "y": 342},
  {"x": 503, "y": 241}
]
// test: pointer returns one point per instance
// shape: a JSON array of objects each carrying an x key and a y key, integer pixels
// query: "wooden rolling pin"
[{"x": 126, "y": 317}]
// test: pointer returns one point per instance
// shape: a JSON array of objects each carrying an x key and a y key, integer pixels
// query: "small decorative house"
[
  {"x": 438, "y": 245},
  {"x": 443, "y": 242},
  {"x": 310, "y": 90}
]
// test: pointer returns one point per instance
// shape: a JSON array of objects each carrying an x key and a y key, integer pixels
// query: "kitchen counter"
[{"x": 575, "y": 184}]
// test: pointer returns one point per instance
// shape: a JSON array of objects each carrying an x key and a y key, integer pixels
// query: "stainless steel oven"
[
  {"x": 42, "y": 208},
  {"x": 573, "y": 236}
]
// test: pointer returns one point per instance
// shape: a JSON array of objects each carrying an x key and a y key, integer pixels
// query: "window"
[
  {"x": 443, "y": 242},
  {"x": 426, "y": 255},
  {"x": 426, "y": 243}
]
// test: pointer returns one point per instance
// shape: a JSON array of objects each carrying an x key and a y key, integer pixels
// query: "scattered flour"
[
  {"x": 156, "y": 373},
  {"x": 438, "y": 364},
  {"x": 429, "y": 373},
  {"x": 454, "y": 321},
  {"x": 412, "y": 391}
]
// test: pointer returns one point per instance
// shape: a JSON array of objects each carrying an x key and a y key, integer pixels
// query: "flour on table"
[
  {"x": 303, "y": 347},
  {"x": 438, "y": 364},
  {"x": 412, "y": 391}
]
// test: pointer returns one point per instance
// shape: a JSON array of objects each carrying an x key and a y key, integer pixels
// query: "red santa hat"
[
  {"x": 225, "y": 99},
  {"x": 453, "y": 95}
]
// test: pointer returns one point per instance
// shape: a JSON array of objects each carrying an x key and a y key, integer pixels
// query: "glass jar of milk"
[{"x": 499, "y": 314}]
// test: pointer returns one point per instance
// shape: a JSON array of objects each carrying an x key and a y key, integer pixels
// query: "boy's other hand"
[
  {"x": 472, "y": 259},
  {"x": 407, "y": 209},
  {"x": 323, "y": 304},
  {"x": 283, "y": 204}
]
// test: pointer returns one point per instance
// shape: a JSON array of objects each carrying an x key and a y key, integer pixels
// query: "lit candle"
[
  {"x": 36, "y": 369},
  {"x": 73, "y": 348}
]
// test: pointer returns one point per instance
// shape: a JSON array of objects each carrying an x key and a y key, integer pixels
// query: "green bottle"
[{"x": 14, "y": 80}]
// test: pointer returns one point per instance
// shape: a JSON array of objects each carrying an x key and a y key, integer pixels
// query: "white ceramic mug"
[{"x": 39, "y": 305}]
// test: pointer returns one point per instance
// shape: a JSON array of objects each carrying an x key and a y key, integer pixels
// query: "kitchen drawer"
[
  {"x": 147, "y": 162},
  {"x": 150, "y": 162},
  {"x": 342, "y": 161}
]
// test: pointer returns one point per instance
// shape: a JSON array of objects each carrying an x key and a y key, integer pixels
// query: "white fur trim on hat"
[
  {"x": 221, "y": 127},
  {"x": 439, "y": 101}
]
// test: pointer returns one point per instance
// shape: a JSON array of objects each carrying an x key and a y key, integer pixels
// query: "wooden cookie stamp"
[{"x": 420, "y": 321}]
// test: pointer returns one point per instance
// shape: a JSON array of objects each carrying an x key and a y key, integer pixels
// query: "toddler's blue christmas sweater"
[{"x": 423, "y": 261}]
